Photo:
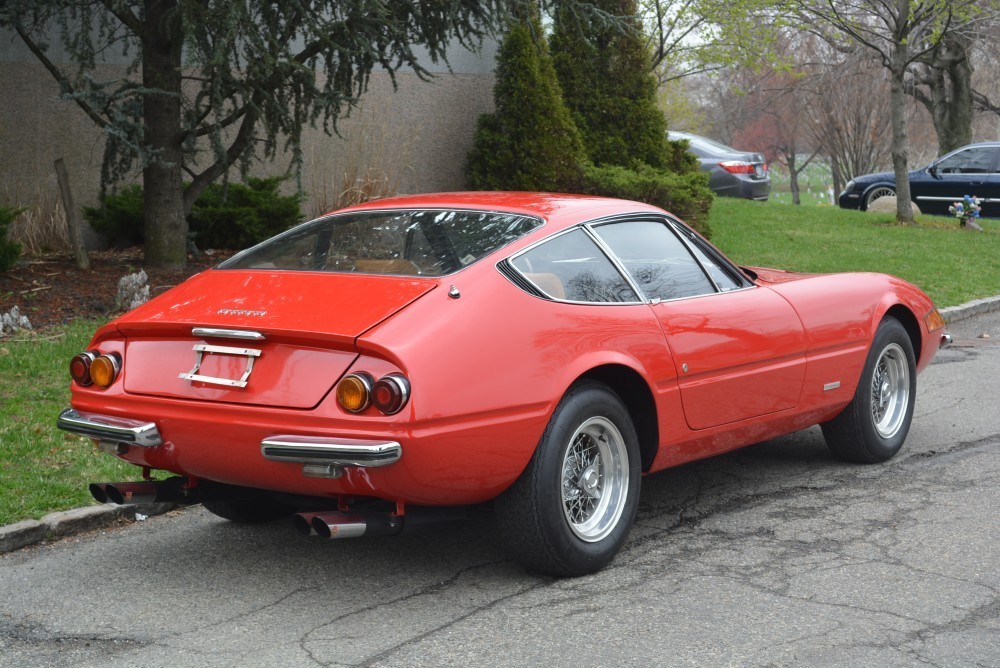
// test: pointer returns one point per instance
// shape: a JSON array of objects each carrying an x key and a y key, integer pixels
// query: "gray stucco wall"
[{"x": 419, "y": 134}]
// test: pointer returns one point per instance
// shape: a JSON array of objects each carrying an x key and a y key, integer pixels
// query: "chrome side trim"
[
  {"x": 214, "y": 332},
  {"x": 330, "y": 451},
  {"x": 109, "y": 428}
]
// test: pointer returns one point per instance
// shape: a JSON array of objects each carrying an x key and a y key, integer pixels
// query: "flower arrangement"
[{"x": 967, "y": 211}]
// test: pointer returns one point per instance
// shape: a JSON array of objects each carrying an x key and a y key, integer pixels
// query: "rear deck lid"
[{"x": 266, "y": 338}]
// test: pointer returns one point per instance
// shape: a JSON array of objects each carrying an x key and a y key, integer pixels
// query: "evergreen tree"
[
  {"x": 604, "y": 72},
  {"x": 530, "y": 141}
]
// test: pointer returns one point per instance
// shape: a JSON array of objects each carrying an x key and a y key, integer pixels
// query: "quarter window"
[{"x": 572, "y": 267}]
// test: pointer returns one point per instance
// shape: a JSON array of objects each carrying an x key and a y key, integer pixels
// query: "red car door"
[
  {"x": 739, "y": 354},
  {"x": 739, "y": 348}
]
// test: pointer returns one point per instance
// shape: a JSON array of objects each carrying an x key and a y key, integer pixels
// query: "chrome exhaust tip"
[{"x": 946, "y": 340}]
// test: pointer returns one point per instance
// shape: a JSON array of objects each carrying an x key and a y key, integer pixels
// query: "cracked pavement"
[{"x": 770, "y": 556}]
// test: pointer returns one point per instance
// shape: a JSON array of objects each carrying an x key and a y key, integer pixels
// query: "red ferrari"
[{"x": 389, "y": 364}]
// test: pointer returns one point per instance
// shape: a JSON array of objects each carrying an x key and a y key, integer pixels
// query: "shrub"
[
  {"x": 685, "y": 195},
  {"x": 530, "y": 141},
  {"x": 239, "y": 215},
  {"x": 119, "y": 218},
  {"x": 10, "y": 251},
  {"x": 233, "y": 215}
]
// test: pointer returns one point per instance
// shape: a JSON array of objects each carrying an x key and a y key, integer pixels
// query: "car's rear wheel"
[
  {"x": 878, "y": 193},
  {"x": 874, "y": 425},
  {"x": 571, "y": 509},
  {"x": 248, "y": 510}
]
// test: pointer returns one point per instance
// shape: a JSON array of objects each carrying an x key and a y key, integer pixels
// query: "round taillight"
[
  {"x": 391, "y": 393},
  {"x": 105, "y": 369},
  {"x": 354, "y": 392},
  {"x": 79, "y": 368}
]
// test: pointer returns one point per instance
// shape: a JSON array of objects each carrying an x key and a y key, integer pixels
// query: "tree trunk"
[
  {"x": 793, "y": 176},
  {"x": 165, "y": 226},
  {"x": 897, "y": 70}
]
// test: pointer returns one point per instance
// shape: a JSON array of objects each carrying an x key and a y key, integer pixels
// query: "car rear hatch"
[{"x": 265, "y": 338}]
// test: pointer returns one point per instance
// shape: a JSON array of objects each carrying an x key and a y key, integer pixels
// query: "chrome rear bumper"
[
  {"x": 330, "y": 451},
  {"x": 110, "y": 429}
]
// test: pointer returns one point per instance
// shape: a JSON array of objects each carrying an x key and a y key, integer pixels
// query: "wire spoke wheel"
[
  {"x": 878, "y": 193},
  {"x": 594, "y": 479},
  {"x": 570, "y": 510},
  {"x": 890, "y": 391},
  {"x": 873, "y": 426}
]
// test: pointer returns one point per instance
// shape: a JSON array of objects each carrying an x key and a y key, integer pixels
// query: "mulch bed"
[{"x": 51, "y": 290}]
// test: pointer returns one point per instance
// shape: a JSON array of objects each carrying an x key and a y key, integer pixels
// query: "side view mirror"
[{"x": 932, "y": 170}]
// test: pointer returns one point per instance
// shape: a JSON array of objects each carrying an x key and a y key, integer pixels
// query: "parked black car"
[
  {"x": 732, "y": 173},
  {"x": 970, "y": 170}
]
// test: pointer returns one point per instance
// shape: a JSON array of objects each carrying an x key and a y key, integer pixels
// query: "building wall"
[{"x": 417, "y": 134}]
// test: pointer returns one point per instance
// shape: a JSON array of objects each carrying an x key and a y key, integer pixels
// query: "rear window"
[{"x": 403, "y": 242}]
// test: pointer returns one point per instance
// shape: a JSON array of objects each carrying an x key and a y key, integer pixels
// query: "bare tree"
[{"x": 899, "y": 33}]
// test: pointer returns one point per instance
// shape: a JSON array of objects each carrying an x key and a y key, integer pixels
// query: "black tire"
[
  {"x": 550, "y": 519},
  {"x": 874, "y": 425},
  {"x": 249, "y": 510}
]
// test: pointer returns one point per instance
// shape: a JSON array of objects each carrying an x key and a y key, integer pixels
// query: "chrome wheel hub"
[
  {"x": 594, "y": 479},
  {"x": 890, "y": 391}
]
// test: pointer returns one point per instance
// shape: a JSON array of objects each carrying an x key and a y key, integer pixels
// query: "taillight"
[
  {"x": 390, "y": 393},
  {"x": 90, "y": 368},
  {"x": 354, "y": 392},
  {"x": 737, "y": 167},
  {"x": 79, "y": 367},
  {"x": 357, "y": 391}
]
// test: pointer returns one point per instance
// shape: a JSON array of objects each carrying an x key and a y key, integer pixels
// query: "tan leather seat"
[{"x": 548, "y": 283}]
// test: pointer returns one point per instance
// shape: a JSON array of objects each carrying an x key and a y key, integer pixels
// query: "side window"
[
  {"x": 571, "y": 267},
  {"x": 725, "y": 276},
  {"x": 657, "y": 259},
  {"x": 977, "y": 160}
]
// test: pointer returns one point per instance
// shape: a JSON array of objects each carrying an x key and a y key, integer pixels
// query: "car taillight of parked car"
[{"x": 737, "y": 167}]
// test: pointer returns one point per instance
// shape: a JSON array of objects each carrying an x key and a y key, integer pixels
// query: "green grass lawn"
[
  {"x": 43, "y": 469},
  {"x": 952, "y": 265}
]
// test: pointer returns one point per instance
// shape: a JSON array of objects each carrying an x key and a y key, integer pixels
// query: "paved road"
[{"x": 776, "y": 555}]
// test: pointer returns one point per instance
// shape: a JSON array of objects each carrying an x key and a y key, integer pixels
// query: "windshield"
[{"x": 403, "y": 242}]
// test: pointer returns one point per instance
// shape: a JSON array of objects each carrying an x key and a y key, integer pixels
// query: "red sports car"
[{"x": 388, "y": 364}]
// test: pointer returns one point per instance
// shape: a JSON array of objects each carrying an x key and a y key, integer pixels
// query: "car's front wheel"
[
  {"x": 878, "y": 193},
  {"x": 571, "y": 509},
  {"x": 874, "y": 425}
]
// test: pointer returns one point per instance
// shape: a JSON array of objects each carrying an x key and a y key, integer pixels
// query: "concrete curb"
[
  {"x": 969, "y": 309},
  {"x": 69, "y": 522}
]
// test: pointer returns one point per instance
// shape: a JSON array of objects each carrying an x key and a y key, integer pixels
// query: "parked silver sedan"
[{"x": 732, "y": 173}]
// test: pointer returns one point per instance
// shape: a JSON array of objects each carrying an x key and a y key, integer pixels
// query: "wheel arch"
[
  {"x": 635, "y": 393},
  {"x": 863, "y": 204},
  {"x": 912, "y": 326}
]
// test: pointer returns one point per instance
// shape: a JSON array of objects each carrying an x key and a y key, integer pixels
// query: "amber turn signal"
[
  {"x": 934, "y": 320},
  {"x": 105, "y": 369},
  {"x": 354, "y": 392}
]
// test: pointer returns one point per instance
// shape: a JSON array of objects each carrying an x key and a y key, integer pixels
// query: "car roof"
[{"x": 558, "y": 210}]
